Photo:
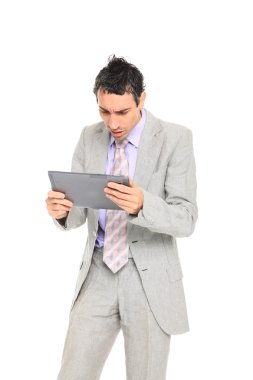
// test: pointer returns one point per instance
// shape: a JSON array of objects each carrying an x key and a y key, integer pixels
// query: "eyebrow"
[{"x": 120, "y": 111}]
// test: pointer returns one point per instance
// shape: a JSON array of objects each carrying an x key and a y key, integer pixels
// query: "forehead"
[{"x": 115, "y": 102}]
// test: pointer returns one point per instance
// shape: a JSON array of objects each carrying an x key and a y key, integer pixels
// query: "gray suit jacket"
[{"x": 165, "y": 170}]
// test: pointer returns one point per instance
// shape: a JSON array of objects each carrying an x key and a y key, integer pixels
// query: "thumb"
[{"x": 132, "y": 183}]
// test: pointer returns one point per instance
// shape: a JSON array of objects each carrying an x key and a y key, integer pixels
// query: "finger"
[
  {"x": 65, "y": 202},
  {"x": 118, "y": 203},
  {"x": 132, "y": 183},
  {"x": 55, "y": 194},
  {"x": 119, "y": 195},
  {"x": 124, "y": 205},
  {"x": 59, "y": 207},
  {"x": 119, "y": 187},
  {"x": 60, "y": 215},
  {"x": 121, "y": 202}
]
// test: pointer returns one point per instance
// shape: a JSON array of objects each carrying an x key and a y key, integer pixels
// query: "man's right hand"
[{"x": 58, "y": 207}]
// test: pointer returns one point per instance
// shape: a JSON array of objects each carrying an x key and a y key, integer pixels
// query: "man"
[{"x": 130, "y": 276}]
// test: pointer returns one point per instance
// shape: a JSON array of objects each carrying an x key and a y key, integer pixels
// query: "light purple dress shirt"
[{"x": 131, "y": 150}]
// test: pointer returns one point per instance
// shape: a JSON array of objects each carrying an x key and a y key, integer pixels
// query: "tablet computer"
[{"x": 86, "y": 189}]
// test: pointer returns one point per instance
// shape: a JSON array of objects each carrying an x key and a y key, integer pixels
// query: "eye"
[{"x": 122, "y": 113}]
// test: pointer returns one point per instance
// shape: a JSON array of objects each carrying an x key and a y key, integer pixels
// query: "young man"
[{"x": 130, "y": 276}]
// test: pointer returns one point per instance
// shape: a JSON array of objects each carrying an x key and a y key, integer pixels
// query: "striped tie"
[{"x": 115, "y": 253}]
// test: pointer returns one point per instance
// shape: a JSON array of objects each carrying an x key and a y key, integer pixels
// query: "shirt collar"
[{"x": 134, "y": 135}]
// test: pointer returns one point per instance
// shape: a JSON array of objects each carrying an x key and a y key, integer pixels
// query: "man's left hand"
[{"x": 129, "y": 198}]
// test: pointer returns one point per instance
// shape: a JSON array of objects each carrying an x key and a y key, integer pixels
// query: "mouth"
[{"x": 117, "y": 134}]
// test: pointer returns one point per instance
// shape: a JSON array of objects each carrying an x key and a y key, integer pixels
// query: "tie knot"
[{"x": 121, "y": 144}]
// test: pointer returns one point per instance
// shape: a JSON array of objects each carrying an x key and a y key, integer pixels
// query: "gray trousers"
[{"x": 107, "y": 303}]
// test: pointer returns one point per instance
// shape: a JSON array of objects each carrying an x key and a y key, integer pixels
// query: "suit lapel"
[
  {"x": 148, "y": 151},
  {"x": 97, "y": 163}
]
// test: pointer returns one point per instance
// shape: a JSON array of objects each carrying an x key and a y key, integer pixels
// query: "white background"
[{"x": 196, "y": 57}]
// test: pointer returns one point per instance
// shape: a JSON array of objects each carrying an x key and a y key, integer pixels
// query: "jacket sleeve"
[
  {"x": 77, "y": 216},
  {"x": 175, "y": 215}
]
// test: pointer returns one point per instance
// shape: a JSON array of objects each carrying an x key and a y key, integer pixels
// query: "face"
[{"x": 119, "y": 112}]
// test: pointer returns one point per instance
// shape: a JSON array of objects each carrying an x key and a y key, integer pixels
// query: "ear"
[{"x": 142, "y": 100}]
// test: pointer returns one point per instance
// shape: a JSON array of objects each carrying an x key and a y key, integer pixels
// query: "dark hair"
[{"x": 118, "y": 77}]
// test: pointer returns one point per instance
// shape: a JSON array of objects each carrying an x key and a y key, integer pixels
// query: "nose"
[{"x": 113, "y": 123}]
